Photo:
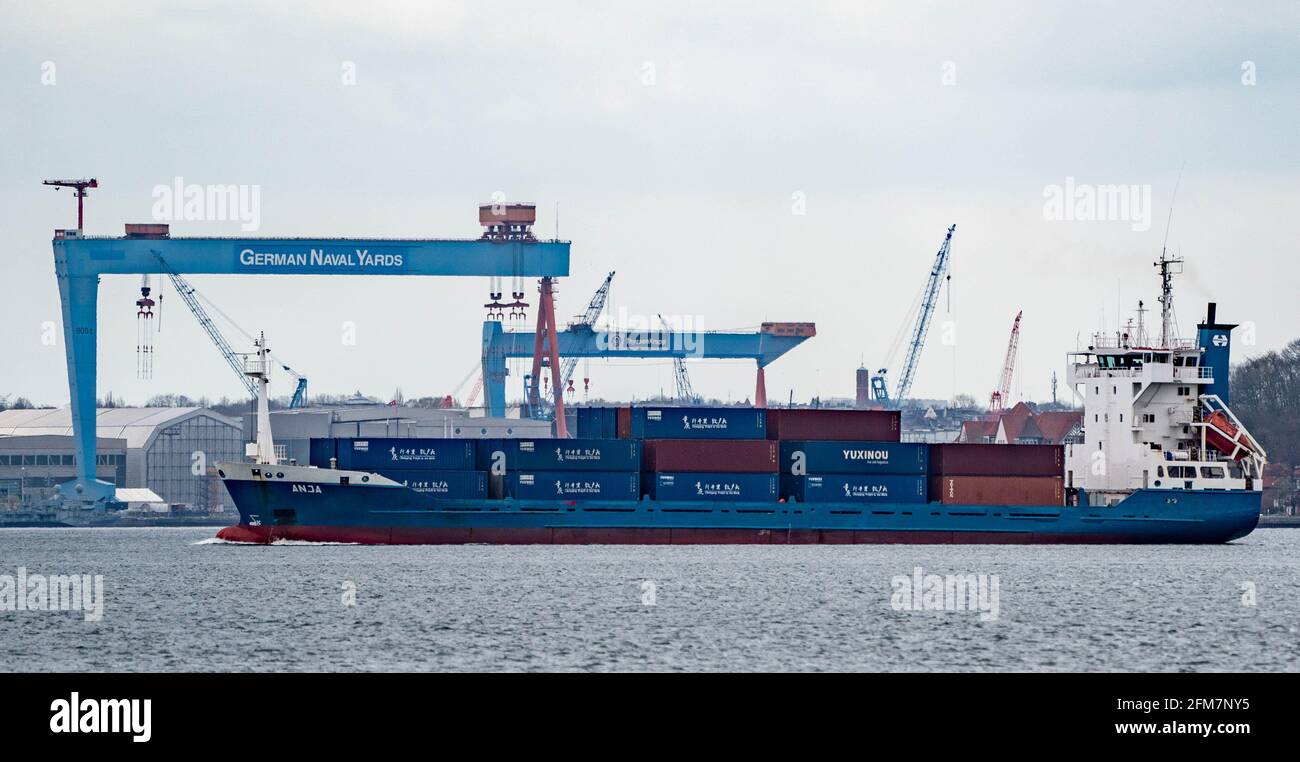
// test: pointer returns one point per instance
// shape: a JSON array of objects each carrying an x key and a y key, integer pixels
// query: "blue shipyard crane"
[
  {"x": 80, "y": 262},
  {"x": 763, "y": 346},
  {"x": 938, "y": 273}
]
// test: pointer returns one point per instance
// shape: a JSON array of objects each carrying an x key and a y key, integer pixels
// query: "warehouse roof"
[{"x": 137, "y": 425}]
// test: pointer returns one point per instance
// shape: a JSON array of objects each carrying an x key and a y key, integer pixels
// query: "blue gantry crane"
[
  {"x": 763, "y": 346},
  {"x": 938, "y": 273},
  {"x": 80, "y": 262}
]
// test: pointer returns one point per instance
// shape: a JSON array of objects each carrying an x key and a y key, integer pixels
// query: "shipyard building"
[{"x": 168, "y": 450}]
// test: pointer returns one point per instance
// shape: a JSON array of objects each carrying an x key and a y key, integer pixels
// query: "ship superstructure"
[{"x": 1156, "y": 412}]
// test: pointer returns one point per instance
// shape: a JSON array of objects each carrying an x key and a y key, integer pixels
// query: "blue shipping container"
[
  {"x": 754, "y": 488},
  {"x": 387, "y": 453},
  {"x": 850, "y": 488},
  {"x": 454, "y": 485},
  {"x": 699, "y": 423},
  {"x": 485, "y": 449},
  {"x": 574, "y": 454},
  {"x": 574, "y": 485},
  {"x": 802, "y": 458},
  {"x": 597, "y": 423},
  {"x": 319, "y": 452}
]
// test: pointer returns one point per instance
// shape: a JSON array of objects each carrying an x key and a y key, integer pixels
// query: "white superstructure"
[{"x": 1151, "y": 417}]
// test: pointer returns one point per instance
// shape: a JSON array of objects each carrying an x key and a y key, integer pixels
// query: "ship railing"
[
  {"x": 1093, "y": 371},
  {"x": 1199, "y": 372},
  {"x": 1113, "y": 342}
]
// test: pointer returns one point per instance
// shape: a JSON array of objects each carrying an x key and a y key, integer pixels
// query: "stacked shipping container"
[
  {"x": 997, "y": 474},
  {"x": 853, "y": 471},
  {"x": 440, "y": 467},
  {"x": 715, "y": 454},
  {"x": 565, "y": 469}
]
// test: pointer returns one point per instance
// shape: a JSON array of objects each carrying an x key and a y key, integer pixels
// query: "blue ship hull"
[{"x": 274, "y": 510}]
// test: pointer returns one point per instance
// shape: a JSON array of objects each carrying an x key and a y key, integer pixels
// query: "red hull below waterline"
[{"x": 263, "y": 535}]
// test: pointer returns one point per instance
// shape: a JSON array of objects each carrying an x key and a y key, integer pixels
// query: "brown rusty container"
[
  {"x": 623, "y": 423},
  {"x": 497, "y": 214},
  {"x": 998, "y": 490},
  {"x": 737, "y": 456},
  {"x": 834, "y": 424},
  {"x": 961, "y": 459},
  {"x": 147, "y": 230}
]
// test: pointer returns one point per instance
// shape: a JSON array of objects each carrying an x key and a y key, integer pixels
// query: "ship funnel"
[{"x": 1215, "y": 340}]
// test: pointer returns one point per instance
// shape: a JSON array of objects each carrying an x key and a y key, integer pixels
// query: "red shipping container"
[
  {"x": 623, "y": 423},
  {"x": 834, "y": 424},
  {"x": 998, "y": 490},
  {"x": 737, "y": 456},
  {"x": 962, "y": 459}
]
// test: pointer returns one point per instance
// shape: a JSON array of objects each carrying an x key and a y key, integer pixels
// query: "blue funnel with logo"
[{"x": 1215, "y": 341}]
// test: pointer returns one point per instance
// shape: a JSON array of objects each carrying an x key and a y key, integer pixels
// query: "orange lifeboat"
[{"x": 1224, "y": 436}]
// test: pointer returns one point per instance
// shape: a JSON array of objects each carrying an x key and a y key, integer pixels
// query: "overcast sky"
[{"x": 681, "y": 142}]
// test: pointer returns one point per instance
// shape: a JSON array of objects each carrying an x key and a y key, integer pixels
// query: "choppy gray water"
[{"x": 175, "y": 602}]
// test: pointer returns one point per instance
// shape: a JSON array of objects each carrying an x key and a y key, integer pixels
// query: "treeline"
[{"x": 1266, "y": 397}]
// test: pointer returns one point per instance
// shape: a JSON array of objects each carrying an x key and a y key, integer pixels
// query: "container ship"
[{"x": 1160, "y": 458}]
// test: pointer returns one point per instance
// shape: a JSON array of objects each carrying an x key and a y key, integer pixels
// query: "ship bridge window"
[
  {"x": 1120, "y": 361},
  {"x": 1212, "y": 472}
]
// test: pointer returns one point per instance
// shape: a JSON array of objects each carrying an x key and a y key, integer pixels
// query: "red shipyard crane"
[{"x": 999, "y": 396}]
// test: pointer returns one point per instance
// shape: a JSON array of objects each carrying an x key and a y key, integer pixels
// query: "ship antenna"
[
  {"x": 1167, "y": 273},
  {"x": 1169, "y": 221}
]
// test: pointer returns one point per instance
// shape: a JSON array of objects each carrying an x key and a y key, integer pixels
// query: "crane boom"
[
  {"x": 190, "y": 296},
  {"x": 685, "y": 392},
  {"x": 187, "y": 292},
  {"x": 937, "y": 273},
  {"x": 1000, "y": 395},
  {"x": 588, "y": 318}
]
